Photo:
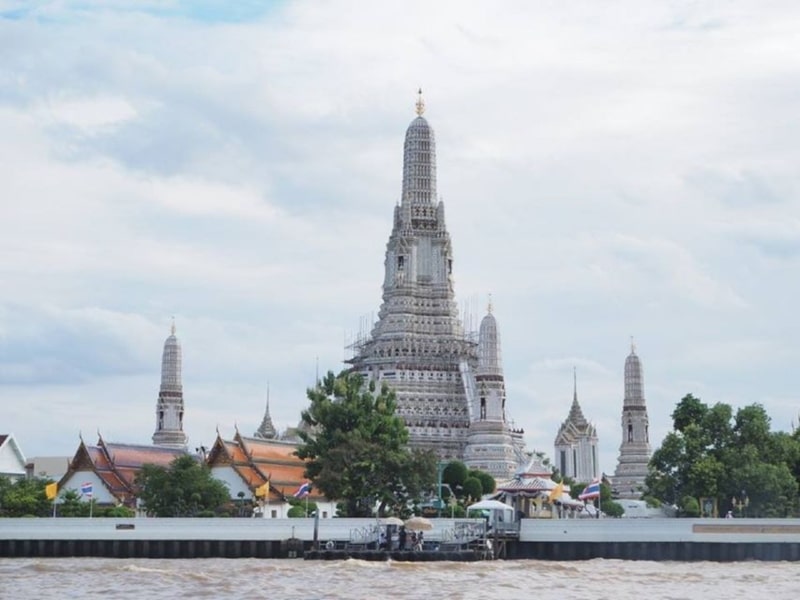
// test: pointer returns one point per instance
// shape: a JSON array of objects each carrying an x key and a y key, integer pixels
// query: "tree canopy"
[
  {"x": 714, "y": 453},
  {"x": 185, "y": 489},
  {"x": 356, "y": 451},
  {"x": 24, "y": 498}
]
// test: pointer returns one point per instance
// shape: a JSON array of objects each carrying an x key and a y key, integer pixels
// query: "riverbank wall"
[{"x": 630, "y": 539}]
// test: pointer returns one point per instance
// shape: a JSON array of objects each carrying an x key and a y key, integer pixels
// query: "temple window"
[
  {"x": 449, "y": 266},
  {"x": 630, "y": 432},
  {"x": 401, "y": 262},
  {"x": 483, "y": 409}
]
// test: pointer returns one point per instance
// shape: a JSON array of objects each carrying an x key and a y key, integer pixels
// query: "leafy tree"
[
  {"x": 713, "y": 452},
  {"x": 690, "y": 507},
  {"x": 473, "y": 490},
  {"x": 454, "y": 474},
  {"x": 488, "y": 484},
  {"x": 300, "y": 508},
  {"x": 356, "y": 447},
  {"x": 184, "y": 489},
  {"x": 70, "y": 505},
  {"x": 24, "y": 498}
]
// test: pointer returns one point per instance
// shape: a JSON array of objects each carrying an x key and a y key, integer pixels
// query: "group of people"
[{"x": 416, "y": 538}]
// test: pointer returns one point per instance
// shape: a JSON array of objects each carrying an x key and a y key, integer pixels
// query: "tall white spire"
[
  {"x": 634, "y": 451},
  {"x": 418, "y": 344},
  {"x": 169, "y": 408}
]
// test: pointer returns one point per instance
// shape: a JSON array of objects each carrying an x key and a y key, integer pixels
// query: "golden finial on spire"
[{"x": 420, "y": 103}]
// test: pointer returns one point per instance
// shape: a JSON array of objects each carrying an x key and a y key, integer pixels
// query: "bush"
[{"x": 690, "y": 507}]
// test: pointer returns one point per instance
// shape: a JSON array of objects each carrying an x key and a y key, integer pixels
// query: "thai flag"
[
  {"x": 590, "y": 491},
  {"x": 86, "y": 489},
  {"x": 303, "y": 490}
]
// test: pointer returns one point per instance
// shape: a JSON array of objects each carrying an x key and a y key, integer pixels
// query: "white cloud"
[{"x": 607, "y": 171}]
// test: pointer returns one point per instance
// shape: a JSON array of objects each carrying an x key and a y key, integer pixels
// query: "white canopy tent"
[{"x": 498, "y": 511}]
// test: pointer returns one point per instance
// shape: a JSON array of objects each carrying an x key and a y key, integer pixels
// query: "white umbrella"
[
  {"x": 419, "y": 524},
  {"x": 489, "y": 505}
]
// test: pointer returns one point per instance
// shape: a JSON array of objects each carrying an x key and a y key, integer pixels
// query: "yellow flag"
[
  {"x": 263, "y": 490},
  {"x": 51, "y": 490},
  {"x": 555, "y": 493}
]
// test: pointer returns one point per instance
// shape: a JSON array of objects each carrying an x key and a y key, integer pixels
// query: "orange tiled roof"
[
  {"x": 131, "y": 455},
  {"x": 250, "y": 475}
]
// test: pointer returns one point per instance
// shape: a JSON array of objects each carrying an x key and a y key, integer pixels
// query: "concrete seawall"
[{"x": 642, "y": 539}]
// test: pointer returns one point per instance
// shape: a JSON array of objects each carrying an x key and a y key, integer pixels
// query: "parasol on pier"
[{"x": 419, "y": 524}]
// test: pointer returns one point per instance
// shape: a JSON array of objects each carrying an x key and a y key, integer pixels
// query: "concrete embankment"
[
  {"x": 642, "y": 539},
  {"x": 659, "y": 539}
]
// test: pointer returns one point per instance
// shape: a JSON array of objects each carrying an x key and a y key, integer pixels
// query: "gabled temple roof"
[
  {"x": 9, "y": 446},
  {"x": 258, "y": 460},
  {"x": 117, "y": 465}
]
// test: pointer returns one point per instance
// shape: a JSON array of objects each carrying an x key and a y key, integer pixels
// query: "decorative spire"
[
  {"x": 420, "y": 103},
  {"x": 575, "y": 383},
  {"x": 633, "y": 346},
  {"x": 575, "y": 413},
  {"x": 489, "y": 308},
  {"x": 169, "y": 408},
  {"x": 266, "y": 431}
]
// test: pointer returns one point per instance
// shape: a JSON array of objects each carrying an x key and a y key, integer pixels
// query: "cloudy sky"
[{"x": 609, "y": 169}]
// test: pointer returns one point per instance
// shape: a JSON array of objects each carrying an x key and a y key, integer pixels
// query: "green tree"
[
  {"x": 473, "y": 490},
  {"x": 488, "y": 483},
  {"x": 713, "y": 452},
  {"x": 185, "y": 489},
  {"x": 24, "y": 498},
  {"x": 454, "y": 474},
  {"x": 300, "y": 508},
  {"x": 356, "y": 450}
]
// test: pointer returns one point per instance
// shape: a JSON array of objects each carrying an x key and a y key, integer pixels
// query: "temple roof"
[
  {"x": 258, "y": 460},
  {"x": 117, "y": 465}
]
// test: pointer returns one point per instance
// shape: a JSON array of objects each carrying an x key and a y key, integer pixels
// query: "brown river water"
[{"x": 599, "y": 579}]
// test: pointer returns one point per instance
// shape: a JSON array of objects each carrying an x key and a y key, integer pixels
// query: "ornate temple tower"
[
  {"x": 634, "y": 452},
  {"x": 266, "y": 431},
  {"x": 490, "y": 445},
  {"x": 169, "y": 410},
  {"x": 418, "y": 344},
  {"x": 576, "y": 443}
]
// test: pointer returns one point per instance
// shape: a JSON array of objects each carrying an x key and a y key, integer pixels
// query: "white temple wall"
[{"x": 100, "y": 493}]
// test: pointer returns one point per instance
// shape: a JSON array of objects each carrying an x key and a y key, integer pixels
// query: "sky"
[{"x": 610, "y": 171}]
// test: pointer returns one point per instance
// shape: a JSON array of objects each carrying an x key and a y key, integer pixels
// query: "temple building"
[
  {"x": 634, "y": 452},
  {"x": 492, "y": 445},
  {"x": 246, "y": 464},
  {"x": 576, "y": 443},
  {"x": 12, "y": 460},
  {"x": 418, "y": 344},
  {"x": 169, "y": 409},
  {"x": 110, "y": 469}
]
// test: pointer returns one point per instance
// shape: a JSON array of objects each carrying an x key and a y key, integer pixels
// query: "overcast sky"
[{"x": 609, "y": 169}]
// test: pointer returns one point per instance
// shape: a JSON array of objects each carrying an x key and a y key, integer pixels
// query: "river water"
[{"x": 599, "y": 579}]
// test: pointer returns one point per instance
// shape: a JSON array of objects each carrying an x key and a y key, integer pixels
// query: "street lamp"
[{"x": 741, "y": 502}]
